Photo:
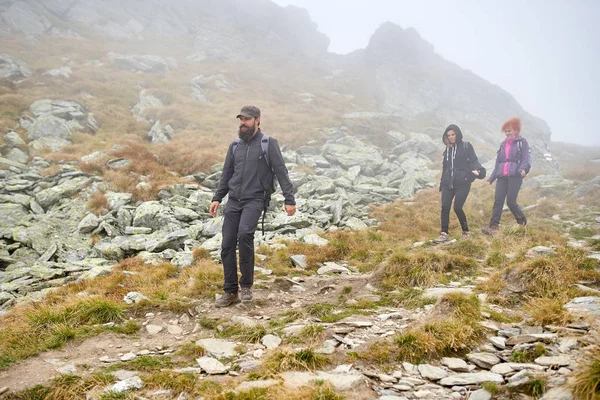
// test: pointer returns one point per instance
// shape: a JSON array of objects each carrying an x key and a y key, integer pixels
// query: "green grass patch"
[
  {"x": 528, "y": 355},
  {"x": 289, "y": 360},
  {"x": 242, "y": 333},
  {"x": 423, "y": 269}
]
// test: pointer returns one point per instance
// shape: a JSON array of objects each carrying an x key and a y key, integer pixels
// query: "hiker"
[
  {"x": 513, "y": 163},
  {"x": 251, "y": 164},
  {"x": 460, "y": 167}
]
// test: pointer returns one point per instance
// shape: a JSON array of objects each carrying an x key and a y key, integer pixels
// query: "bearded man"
[{"x": 251, "y": 163}]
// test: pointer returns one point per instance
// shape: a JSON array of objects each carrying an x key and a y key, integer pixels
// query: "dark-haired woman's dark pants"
[
  {"x": 507, "y": 188},
  {"x": 239, "y": 225},
  {"x": 459, "y": 195}
]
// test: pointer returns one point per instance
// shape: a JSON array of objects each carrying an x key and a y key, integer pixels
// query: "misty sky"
[{"x": 546, "y": 53}]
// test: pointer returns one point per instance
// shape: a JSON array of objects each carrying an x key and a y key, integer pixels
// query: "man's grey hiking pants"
[{"x": 239, "y": 225}]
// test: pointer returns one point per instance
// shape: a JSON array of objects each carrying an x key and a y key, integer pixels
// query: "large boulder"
[
  {"x": 49, "y": 132},
  {"x": 350, "y": 151},
  {"x": 20, "y": 17},
  {"x": 13, "y": 69},
  {"x": 48, "y": 197},
  {"x": 146, "y": 102},
  {"x": 153, "y": 215},
  {"x": 145, "y": 63},
  {"x": 160, "y": 133},
  {"x": 12, "y": 215}
]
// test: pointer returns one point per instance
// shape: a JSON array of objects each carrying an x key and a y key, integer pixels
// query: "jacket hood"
[{"x": 456, "y": 129}]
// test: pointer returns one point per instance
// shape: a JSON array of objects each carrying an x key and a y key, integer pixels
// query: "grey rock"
[
  {"x": 153, "y": 329},
  {"x": 21, "y": 17},
  {"x": 498, "y": 342},
  {"x": 12, "y": 215},
  {"x": 559, "y": 393},
  {"x": 128, "y": 384},
  {"x": 110, "y": 251},
  {"x": 540, "y": 251},
  {"x": 145, "y": 63},
  {"x": 12, "y": 138},
  {"x": 584, "y": 306},
  {"x": 211, "y": 366},
  {"x": 218, "y": 348},
  {"x": 539, "y": 337},
  {"x": 88, "y": 223},
  {"x": 432, "y": 373},
  {"x": 134, "y": 297},
  {"x": 137, "y": 230},
  {"x": 147, "y": 101},
  {"x": 502, "y": 369},
  {"x": 331, "y": 267},
  {"x": 64, "y": 72},
  {"x": 315, "y": 240},
  {"x": 455, "y": 364},
  {"x": 49, "y": 132},
  {"x": 128, "y": 357},
  {"x": 159, "y": 133},
  {"x": 13, "y": 69},
  {"x": 184, "y": 214},
  {"x": 153, "y": 214},
  {"x": 299, "y": 261},
  {"x": 483, "y": 360},
  {"x": 48, "y": 197},
  {"x": 554, "y": 361},
  {"x": 508, "y": 333},
  {"x": 471, "y": 379},
  {"x": 271, "y": 341},
  {"x": 17, "y": 155},
  {"x": 116, "y": 200},
  {"x": 480, "y": 394}
]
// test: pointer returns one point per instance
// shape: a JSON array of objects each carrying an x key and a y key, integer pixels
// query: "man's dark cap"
[{"x": 249, "y": 112}]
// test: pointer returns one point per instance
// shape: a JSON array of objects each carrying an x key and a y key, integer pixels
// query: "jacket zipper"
[{"x": 243, "y": 170}]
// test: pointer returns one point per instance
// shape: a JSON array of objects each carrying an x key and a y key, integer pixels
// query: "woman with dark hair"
[
  {"x": 459, "y": 169},
  {"x": 513, "y": 163}
]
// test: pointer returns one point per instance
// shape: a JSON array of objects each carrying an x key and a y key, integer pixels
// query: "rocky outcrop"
[
  {"x": 13, "y": 69},
  {"x": 142, "y": 63},
  {"x": 54, "y": 122}
]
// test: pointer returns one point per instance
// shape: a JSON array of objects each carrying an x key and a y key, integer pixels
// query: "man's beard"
[{"x": 247, "y": 133}]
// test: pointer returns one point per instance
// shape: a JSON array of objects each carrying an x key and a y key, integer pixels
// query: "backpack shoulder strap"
[
  {"x": 264, "y": 145},
  {"x": 466, "y": 149},
  {"x": 235, "y": 144}
]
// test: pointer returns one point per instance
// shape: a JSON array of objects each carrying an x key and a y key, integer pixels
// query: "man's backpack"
[{"x": 271, "y": 183}]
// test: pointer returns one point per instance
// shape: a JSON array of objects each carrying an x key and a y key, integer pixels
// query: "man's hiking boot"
[
  {"x": 442, "y": 238},
  {"x": 228, "y": 299},
  {"x": 490, "y": 230},
  {"x": 246, "y": 295},
  {"x": 467, "y": 235}
]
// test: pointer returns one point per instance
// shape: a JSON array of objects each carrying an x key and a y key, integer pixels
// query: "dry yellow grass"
[{"x": 98, "y": 203}]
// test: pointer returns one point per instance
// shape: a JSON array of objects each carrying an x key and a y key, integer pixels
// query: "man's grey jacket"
[{"x": 246, "y": 175}]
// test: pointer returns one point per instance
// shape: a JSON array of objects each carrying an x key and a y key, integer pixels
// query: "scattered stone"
[
  {"x": 175, "y": 330},
  {"x": 218, "y": 348},
  {"x": 455, "y": 364},
  {"x": 553, "y": 361},
  {"x": 134, "y": 297},
  {"x": 128, "y": 357},
  {"x": 531, "y": 338},
  {"x": 211, "y": 366},
  {"x": 153, "y": 329},
  {"x": 558, "y": 394},
  {"x": 123, "y": 374},
  {"x": 483, "y": 360},
  {"x": 508, "y": 333},
  {"x": 585, "y": 306},
  {"x": 471, "y": 379},
  {"x": 299, "y": 261},
  {"x": 128, "y": 384},
  {"x": 331, "y": 267},
  {"x": 540, "y": 251},
  {"x": 432, "y": 373},
  {"x": 498, "y": 342},
  {"x": 271, "y": 341},
  {"x": 480, "y": 394},
  {"x": 244, "y": 321}
]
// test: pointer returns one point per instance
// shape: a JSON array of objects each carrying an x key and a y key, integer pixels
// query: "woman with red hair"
[{"x": 513, "y": 163}]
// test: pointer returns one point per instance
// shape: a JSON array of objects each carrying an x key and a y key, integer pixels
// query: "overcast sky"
[{"x": 546, "y": 53}]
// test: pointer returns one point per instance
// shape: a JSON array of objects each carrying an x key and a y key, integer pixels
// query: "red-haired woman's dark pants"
[{"x": 507, "y": 188}]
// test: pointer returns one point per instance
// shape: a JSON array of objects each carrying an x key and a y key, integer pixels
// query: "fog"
[{"x": 546, "y": 53}]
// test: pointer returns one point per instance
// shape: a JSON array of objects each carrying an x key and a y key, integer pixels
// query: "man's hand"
[
  {"x": 214, "y": 206},
  {"x": 523, "y": 173},
  {"x": 475, "y": 172},
  {"x": 290, "y": 209}
]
